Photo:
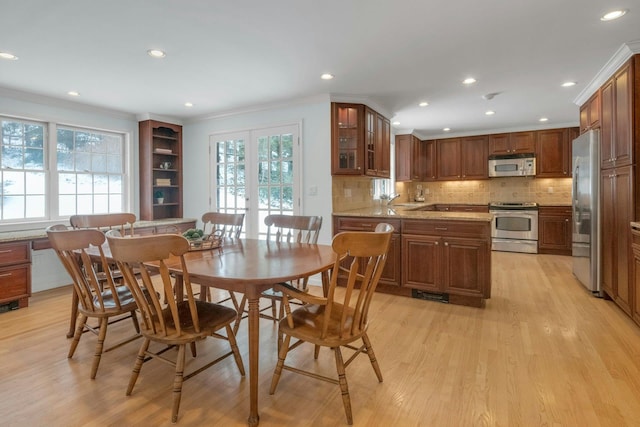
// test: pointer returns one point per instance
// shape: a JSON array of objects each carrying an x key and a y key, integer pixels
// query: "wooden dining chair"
[
  {"x": 181, "y": 321},
  {"x": 123, "y": 222},
  {"x": 284, "y": 229},
  {"x": 229, "y": 225},
  {"x": 339, "y": 318},
  {"x": 104, "y": 301}
]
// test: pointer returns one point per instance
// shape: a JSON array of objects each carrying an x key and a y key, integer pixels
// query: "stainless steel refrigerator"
[{"x": 586, "y": 202}]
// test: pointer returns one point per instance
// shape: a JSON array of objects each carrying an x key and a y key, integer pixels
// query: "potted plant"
[{"x": 159, "y": 195}]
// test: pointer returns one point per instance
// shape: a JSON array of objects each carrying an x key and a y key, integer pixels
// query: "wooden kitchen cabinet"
[
  {"x": 553, "y": 153},
  {"x": 428, "y": 158},
  {"x": 390, "y": 279},
  {"x": 635, "y": 245},
  {"x": 408, "y": 158},
  {"x": 616, "y": 211},
  {"x": 616, "y": 133},
  {"x": 15, "y": 274},
  {"x": 590, "y": 113},
  {"x": 360, "y": 141},
  {"x": 512, "y": 143},
  {"x": 449, "y": 258},
  {"x": 160, "y": 151},
  {"x": 554, "y": 230},
  {"x": 462, "y": 158}
]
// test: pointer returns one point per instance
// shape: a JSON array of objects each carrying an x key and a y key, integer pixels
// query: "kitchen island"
[{"x": 439, "y": 255}]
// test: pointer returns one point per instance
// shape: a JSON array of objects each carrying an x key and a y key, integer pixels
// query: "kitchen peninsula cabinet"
[
  {"x": 450, "y": 260},
  {"x": 635, "y": 245},
  {"x": 160, "y": 151},
  {"x": 391, "y": 273},
  {"x": 512, "y": 143},
  {"x": 360, "y": 141},
  {"x": 436, "y": 259},
  {"x": 554, "y": 230}
]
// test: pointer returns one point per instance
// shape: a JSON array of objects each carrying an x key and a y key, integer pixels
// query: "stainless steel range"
[{"x": 514, "y": 227}]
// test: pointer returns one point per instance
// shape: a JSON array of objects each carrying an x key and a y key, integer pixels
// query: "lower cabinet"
[
  {"x": 15, "y": 275},
  {"x": 554, "y": 230},
  {"x": 391, "y": 274},
  {"x": 451, "y": 258},
  {"x": 434, "y": 259},
  {"x": 635, "y": 287}
]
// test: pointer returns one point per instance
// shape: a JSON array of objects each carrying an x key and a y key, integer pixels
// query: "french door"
[{"x": 256, "y": 172}]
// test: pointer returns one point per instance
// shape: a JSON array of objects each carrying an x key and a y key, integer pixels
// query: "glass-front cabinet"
[{"x": 360, "y": 139}]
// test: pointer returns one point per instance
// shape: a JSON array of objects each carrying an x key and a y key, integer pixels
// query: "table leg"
[
  {"x": 254, "y": 343},
  {"x": 74, "y": 314}
]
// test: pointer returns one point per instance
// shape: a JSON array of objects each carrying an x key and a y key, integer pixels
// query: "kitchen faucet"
[{"x": 392, "y": 197}]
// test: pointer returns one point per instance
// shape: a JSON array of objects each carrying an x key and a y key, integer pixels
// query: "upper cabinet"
[
  {"x": 616, "y": 122},
  {"x": 360, "y": 141},
  {"x": 462, "y": 158},
  {"x": 590, "y": 113},
  {"x": 553, "y": 152},
  {"x": 408, "y": 158},
  {"x": 160, "y": 149},
  {"x": 512, "y": 143}
]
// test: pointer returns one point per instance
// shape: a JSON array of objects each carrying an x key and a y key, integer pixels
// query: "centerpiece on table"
[{"x": 198, "y": 240}]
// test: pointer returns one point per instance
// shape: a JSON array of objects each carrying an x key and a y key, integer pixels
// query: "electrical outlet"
[
  {"x": 347, "y": 192},
  {"x": 549, "y": 189}
]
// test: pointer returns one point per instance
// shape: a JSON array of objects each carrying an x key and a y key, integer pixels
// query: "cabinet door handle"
[
  {"x": 446, "y": 243},
  {"x": 6, "y": 274},
  {"x": 441, "y": 228},
  {"x": 437, "y": 243},
  {"x": 566, "y": 220},
  {"x": 6, "y": 251}
]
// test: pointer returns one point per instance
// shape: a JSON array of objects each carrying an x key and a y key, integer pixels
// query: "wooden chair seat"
[
  {"x": 123, "y": 301},
  {"x": 332, "y": 321},
  {"x": 211, "y": 317}
]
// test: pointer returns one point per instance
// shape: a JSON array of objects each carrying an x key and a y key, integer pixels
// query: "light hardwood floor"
[{"x": 543, "y": 352}]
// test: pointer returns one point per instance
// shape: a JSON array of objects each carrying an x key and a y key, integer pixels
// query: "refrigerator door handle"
[{"x": 576, "y": 196}]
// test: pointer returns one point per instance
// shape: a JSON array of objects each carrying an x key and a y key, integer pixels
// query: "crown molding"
[
  {"x": 622, "y": 55},
  {"x": 495, "y": 131},
  {"x": 359, "y": 99},
  {"x": 159, "y": 118}
]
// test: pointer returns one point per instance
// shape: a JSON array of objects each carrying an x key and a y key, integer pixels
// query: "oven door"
[{"x": 519, "y": 224}]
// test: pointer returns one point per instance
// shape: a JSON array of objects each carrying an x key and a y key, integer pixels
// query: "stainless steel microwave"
[{"x": 512, "y": 165}]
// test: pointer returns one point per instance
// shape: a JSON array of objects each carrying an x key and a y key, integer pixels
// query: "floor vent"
[
  {"x": 415, "y": 293},
  {"x": 13, "y": 305}
]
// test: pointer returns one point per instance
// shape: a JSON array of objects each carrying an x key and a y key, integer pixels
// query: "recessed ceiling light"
[
  {"x": 156, "y": 53},
  {"x": 73, "y": 93},
  {"x": 188, "y": 104},
  {"x": 9, "y": 56},
  {"x": 568, "y": 84},
  {"x": 396, "y": 123},
  {"x": 327, "y": 76},
  {"x": 615, "y": 14},
  {"x": 490, "y": 113},
  {"x": 469, "y": 81},
  {"x": 543, "y": 119},
  {"x": 446, "y": 129},
  {"x": 423, "y": 104}
]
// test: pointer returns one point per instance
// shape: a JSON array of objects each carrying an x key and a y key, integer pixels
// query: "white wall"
[{"x": 315, "y": 116}]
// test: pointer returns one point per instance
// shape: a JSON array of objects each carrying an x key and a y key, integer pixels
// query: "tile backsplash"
[{"x": 355, "y": 192}]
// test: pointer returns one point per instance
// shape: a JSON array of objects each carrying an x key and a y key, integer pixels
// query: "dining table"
[{"x": 251, "y": 266}]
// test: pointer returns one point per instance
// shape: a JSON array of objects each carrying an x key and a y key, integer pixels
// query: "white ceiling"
[{"x": 225, "y": 56}]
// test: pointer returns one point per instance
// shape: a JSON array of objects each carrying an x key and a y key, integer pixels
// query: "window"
[
  {"x": 50, "y": 172},
  {"x": 90, "y": 171},
  {"x": 22, "y": 169}
]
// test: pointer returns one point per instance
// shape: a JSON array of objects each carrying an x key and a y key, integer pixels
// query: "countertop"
[
  {"x": 10, "y": 236},
  {"x": 635, "y": 225},
  {"x": 408, "y": 211}
]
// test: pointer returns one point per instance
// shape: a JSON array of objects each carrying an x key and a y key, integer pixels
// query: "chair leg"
[
  {"x": 134, "y": 319},
  {"x": 240, "y": 310},
  {"x": 372, "y": 356},
  {"x": 177, "y": 383},
  {"x": 77, "y": 335},
  {"x": 234, "y": 300},
  {"x": 344, "y": 387},
  {"x": 316, "y": 351},
  {"x": 274, "y": 312},
  {"x": 192, "y": 345},
  {"x": 102, "y": 334},
  {"x": 138, "y": 365},
  {"x": 282, "y": 355},
  {"x": 234, "y": 348}
]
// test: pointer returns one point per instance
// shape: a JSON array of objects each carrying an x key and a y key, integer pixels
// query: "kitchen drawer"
[
  {"x": 555, "y": 210},
  {"x": 15, "y": 282},
  {"x": 15, "y": 253},
  {"x": 364, "y": 224},
  {"x": 446, "y": 228}
]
